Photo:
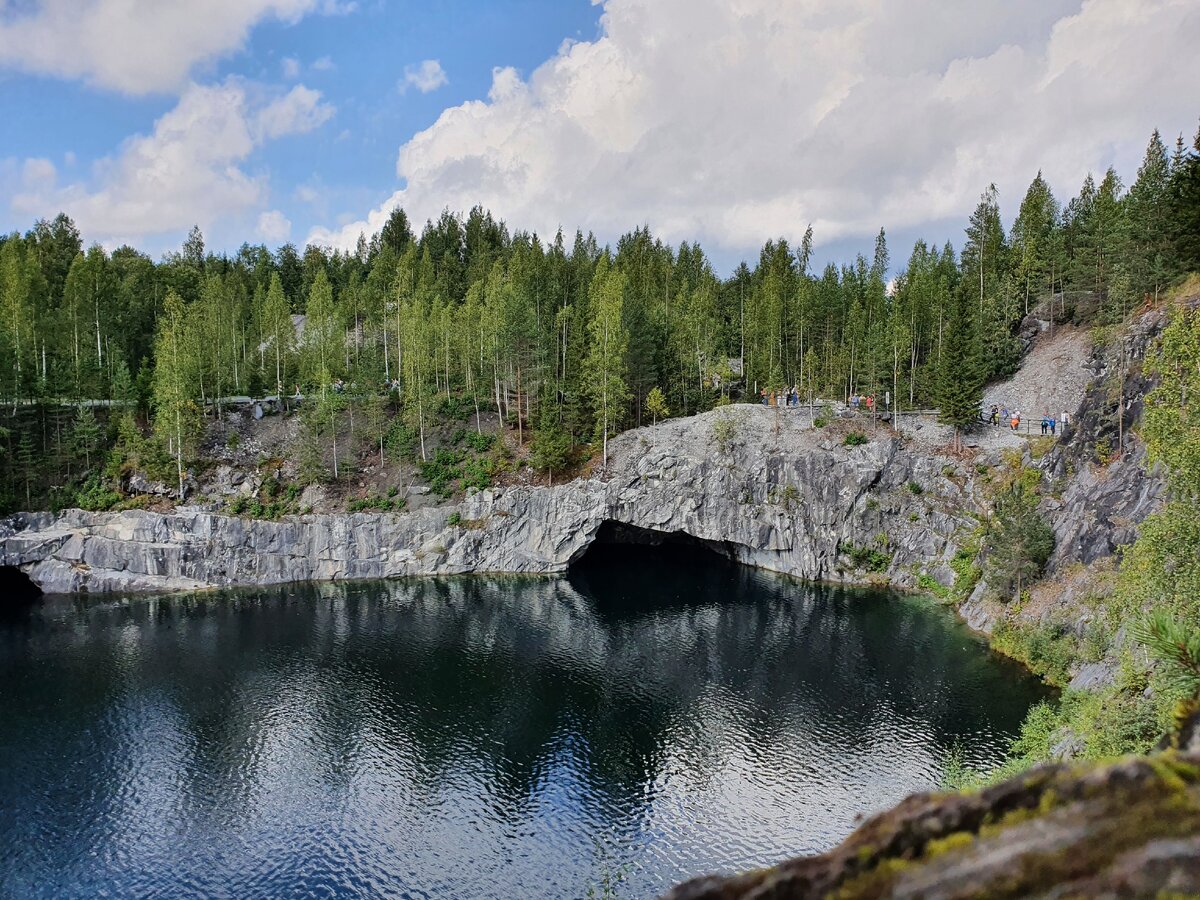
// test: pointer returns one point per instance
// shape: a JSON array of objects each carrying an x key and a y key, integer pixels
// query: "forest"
[{"x": 567, "y": 341}]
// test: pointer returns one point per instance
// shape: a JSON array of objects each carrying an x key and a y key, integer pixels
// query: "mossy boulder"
[{"x": 1126, "y": 829}]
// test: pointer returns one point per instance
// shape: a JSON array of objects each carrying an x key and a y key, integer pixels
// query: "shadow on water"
[{"x": 468, "y": 736}]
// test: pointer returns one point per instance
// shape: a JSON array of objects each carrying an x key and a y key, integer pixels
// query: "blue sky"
[{"x": 712, "y": 120}]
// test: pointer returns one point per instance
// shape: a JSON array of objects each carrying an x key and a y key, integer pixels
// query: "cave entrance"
[
  {"x": 16, "y": 586},
  {"x": 617, "y": 542}
]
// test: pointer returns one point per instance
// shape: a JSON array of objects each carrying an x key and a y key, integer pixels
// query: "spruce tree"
[
  {"x": 959, "y": 388},
  {"x": 1019, "y": 543}
]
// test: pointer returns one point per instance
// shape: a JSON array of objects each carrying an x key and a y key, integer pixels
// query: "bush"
[
  {"x": 377, "y": 504},
  {"x": 855, "y": 439},
  {"x": 95, "y": 495},
  {"x": 442, "y": 471},
  {"x": 869, "y": 559},
  {"x": 478, "y": 473},
  {"x": 481, "y": 443},
  {"x": 819, "y": 422},
  {"x": 455, "y": 407},
  {"x": 915, "y": 489},
  {"x": 455, "y": 519}
]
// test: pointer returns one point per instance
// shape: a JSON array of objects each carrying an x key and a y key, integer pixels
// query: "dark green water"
[{"x": 650, "y": 718}]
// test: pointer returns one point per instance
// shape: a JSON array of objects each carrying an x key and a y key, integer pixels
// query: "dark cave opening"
[
  {"x": 618, "y": 542},
  {"x": 16, "y": 586}
]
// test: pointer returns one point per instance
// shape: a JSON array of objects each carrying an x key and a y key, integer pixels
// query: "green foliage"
[
  {"x": 551, "y": 447},
  {"x": 477, "y": 474},
  {"x": 454, "y": 407},
  {"x": 454, "y": 519},
  {"x": 95, "y": 495},
  {"x": 855, "y": 439},
  {"x": 870, "y": 559},
  {"x": 1019, "y": 542},
  {"x": 476, "y": 314},
  {"x": 915, "y": 489},
  {"x": 656, "y": 404},
  {"x": 376, "y": 504},
  {"x": 724, "y": 430},
  {"x": 480, "y": 443},
  {"x": 1048, "y": 650},
  {"x": 1176, "y": 647},
  {"x": 926, "y": 582},
  {"x": 442, "y": 471}
]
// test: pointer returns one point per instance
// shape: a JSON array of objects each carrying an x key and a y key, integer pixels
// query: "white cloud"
[
  {"x": 136, "y": 46},
  {"x": 274, "y": 227},
  {"x": 298, "y": 111},
  {"x": 426, "y": 76},
  {"x": 291, "y": 67},
  {"x": 324, "y": 64},
  {"x": 188, "y": 170},
  {"x": 732, "y": 121}
]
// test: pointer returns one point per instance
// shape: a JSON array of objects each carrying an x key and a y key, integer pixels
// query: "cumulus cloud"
[
  {"x": 188, "y": 170},
  {"x": 136, "y": 47},
  {"x": 273, "y": 226},
  {"x": 732, "y": 121},
  {"x": 426, "y": 76},
  {"x": 291, "y": 67}
]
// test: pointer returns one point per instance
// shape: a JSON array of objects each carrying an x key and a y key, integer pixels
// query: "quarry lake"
[{"x": 657, "y": 714}]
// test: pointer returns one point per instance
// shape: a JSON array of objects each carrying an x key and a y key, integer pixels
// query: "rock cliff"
[
  {"x": 1131, "y": 829},
  {"x": 758, "y": 485}
]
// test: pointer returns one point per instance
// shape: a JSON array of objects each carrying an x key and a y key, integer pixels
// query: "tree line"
[{"x": 569, "y": 341}]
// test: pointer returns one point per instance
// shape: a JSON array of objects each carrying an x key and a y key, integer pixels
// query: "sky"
[{"x": 728, "y": 122}]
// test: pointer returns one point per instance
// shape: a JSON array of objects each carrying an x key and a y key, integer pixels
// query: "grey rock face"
[{"x": 757, "y": 483}]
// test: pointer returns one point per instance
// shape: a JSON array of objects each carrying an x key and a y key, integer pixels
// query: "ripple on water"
[{"x": 640, "y": 723}]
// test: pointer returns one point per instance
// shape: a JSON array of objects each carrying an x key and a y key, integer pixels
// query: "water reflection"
[{"x": 655, "y": 715}]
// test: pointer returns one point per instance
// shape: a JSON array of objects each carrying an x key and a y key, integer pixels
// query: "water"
[{"x": 650, "y": 718}]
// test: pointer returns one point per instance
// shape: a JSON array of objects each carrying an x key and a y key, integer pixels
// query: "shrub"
[
  {"x": 455, "y": 519},
  {"x": 95, "y": 495},
  {"x": 928, "y": 583},
  {"x": 481, "y": 443},
  {"x": 915, "y": 488},
  {"x": 478, "y": 473},
  {"x": 819, "y": 422},
  {"x": 855, "y": 439},
  {"x": 869, "y": 559},
  {"x": 442, "y": 471}
]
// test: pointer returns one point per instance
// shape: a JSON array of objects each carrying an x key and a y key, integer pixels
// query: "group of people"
[
  {"x": 859, "y": 401},
  {"x": 786, "y": 397},
  {"x": 1012, "y": 418}
]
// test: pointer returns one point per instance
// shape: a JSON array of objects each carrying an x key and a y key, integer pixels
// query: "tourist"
[
  {"x": 1053, "y": 423},
  {"x": 1045, "y": 424},
  {"x": 1015, "y": 422},
  {"x": 994, "y": 415}
]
